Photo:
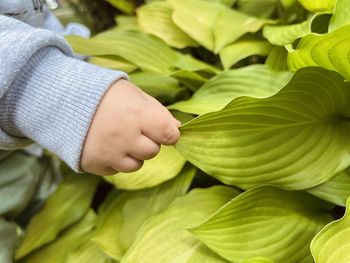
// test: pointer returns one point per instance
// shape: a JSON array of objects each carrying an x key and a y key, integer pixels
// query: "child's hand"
[{"x": 128, "y": 127}]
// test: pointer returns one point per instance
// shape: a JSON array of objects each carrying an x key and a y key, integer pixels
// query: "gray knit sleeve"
[{"x": 52, "y": 97}]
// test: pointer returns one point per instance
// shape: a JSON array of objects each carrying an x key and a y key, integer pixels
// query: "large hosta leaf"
[
  {"x": 155, "y": 18},
  {"x": 267, "y": 222},
  {"x": 329, "y": 51},
  {"x": 231, "y": 54},
  {"x": 212, "y": 24},
  {"x": 332, "y": 244},
  {"x": 122, "y": 215},
  {"x": 70, "y": 240},
  {"x": 336, "y": 190},
  {"x": 63, "y": 208},
  {"x": 164, "y": 237},
  {"x": 166, "y": 165},
  {"x": 256, "y": 81},
  {"x": 8, "y": 241},
  {"x": 297, "y": 138}
]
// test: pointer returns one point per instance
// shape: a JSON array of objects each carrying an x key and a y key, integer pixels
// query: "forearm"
[{"x": 52, "y": 98}]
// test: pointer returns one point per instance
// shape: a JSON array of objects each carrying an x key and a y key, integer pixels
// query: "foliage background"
[{"x": 260, "y": 172}]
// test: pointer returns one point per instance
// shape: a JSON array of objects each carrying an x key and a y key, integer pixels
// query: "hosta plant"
[{"x": 260, "y": 171}]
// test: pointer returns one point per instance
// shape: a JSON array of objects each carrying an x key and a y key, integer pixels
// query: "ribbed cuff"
[{"x": 53, "y": 101}]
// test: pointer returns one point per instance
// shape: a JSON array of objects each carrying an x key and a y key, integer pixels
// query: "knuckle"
[
  {"x": 153, "y": 151},
  {"x": 130, "y": 166},
  {"x": 170, "y": 135}
]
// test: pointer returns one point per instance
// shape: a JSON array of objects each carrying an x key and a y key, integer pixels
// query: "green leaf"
[
  {"x": 265, "y": 222},
  {"x": 70, "y": 240},
  {"x": 122, "y": 215},
  {"x": 155, "y": 18},
  {"x": 255, "y": 81},
  {"x": 281, "y": 35},
  {"x": 125, "y": 23},
  {"x": 66, "y": 206},
  {"x": 230, "y": 55},
  {"x": 331, "y": 245},
  {"x": 113, "y": 62},
  {"x": 212, "y": 24},
  {"x": 88, "y": 253},
  {"x": 166, "y": 165},
  {"x": 123, "y": 5},
  {"x": 8, "y": 241},
  {"x": 191, "y": 80},
  {"x": 328, "y": 51},
  {"x": 165, "y": 88},
  {"x": 261, "y": 8},
  {"x": 148, "y": 53},
  {"x": 197, "y": 19},
  {"x": 231, "y": 25},
  {"x": 318, "y": 6},
  {"x": 336, "y": 190},
  {"x": 164, "y": 237},
  {"x": 296, "y": 139},
  {"x": 19, "y": 178},
  {"x": 277, "y": 59},
  {"x": 341, "y": 15}
]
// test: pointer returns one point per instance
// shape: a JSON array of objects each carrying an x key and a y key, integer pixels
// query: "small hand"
[{"x": 129, "y": 126}]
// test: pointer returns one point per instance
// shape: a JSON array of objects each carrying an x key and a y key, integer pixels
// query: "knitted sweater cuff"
[{"x": 53, "y": 101}]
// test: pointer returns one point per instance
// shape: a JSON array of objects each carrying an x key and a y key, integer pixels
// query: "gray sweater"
[{"x": 46, "y": 96}]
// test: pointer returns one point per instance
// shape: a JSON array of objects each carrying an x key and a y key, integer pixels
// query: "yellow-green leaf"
[
  {"x": 318, "y": 5},
  {"x": 164, "y": 237},
  {"x": 265, "y": 222},
  {"x": 298, "y": 138},
  {"x": 165, "y": 166},
  {"x": 329, "y": 51},
  {"x": 256, "y": 81},
  {"x": 336, "y": 190},
  {"x": 123, "y": 5},
  {"x": 122, "y": 215},
  {"x": 341, "y": 15},
  {"x": 155, "y": 18},
  {"x": 164, "y": 88},
  {"x": 88, "y": 253},
  {"x": 149, "y": 53},
  {"x": 277, "y": 59},
  {"x": 230, "y": 55},
  {"x": 212, "y": 24},
  {"x": 70, "y": 240},
  {"x": 66, "y": 206},
  {"x": 113, "y": 62},
  {"x": 332, "y": 244}
]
